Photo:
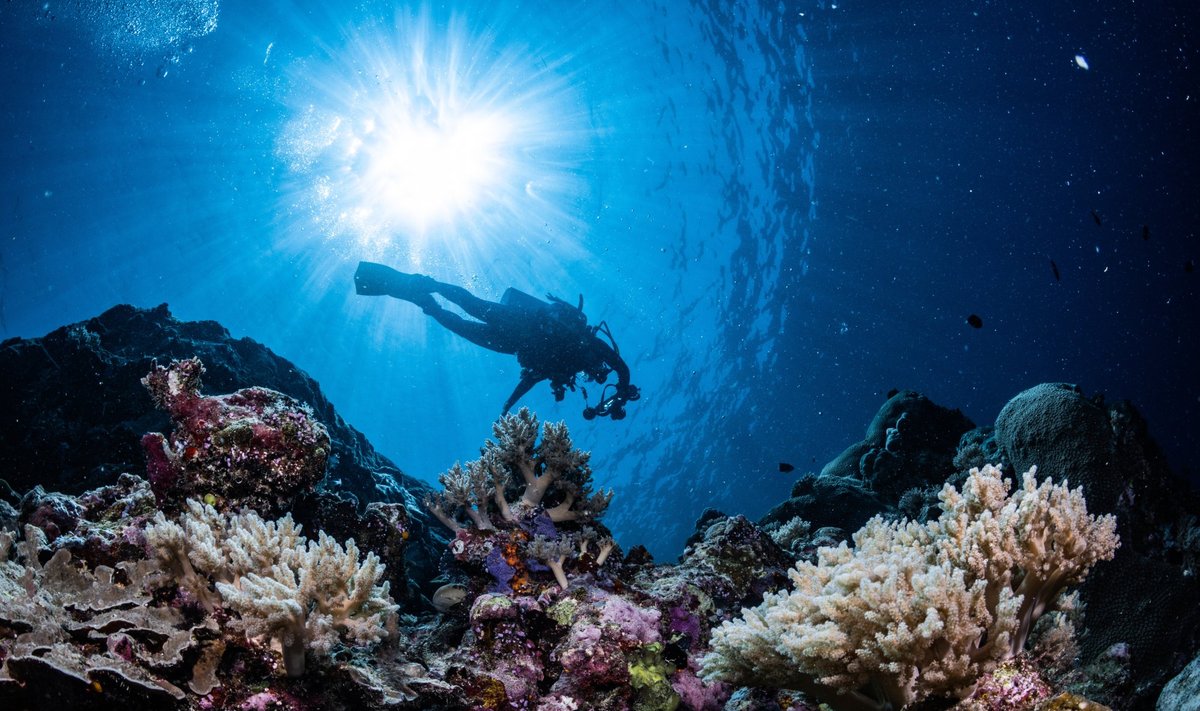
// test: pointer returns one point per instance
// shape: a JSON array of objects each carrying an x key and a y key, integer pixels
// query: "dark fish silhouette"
[
  {"x": 1054, "y": 268},
  {"x": 1145, "y": 232},
  {"x": 1190, "y": 266},
  {"x": 785, "y": 467},
  {"x": 893, "y": 393},
  {"x": 1096, "y": 218},
  {"x": 975, "y": 321}
]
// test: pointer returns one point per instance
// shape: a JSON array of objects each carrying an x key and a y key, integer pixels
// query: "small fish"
[
  {"x": 785, "y": 467},
  {"x": 1081, "y": 62},
  {"x": 1096, "y": 218},
  {"x": 448, "y": 596},
  {"x": 975, "y": 321},
  {"x": 1145, "y": 233},
  {"x": 1190, "y": 266},
  {"x": 1054, "y": 268},
  {"x": 893, "y": 393}
]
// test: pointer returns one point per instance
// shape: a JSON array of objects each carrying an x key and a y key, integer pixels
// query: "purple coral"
[
  {"x": 500, "y": 570},
  {"x": 684, "y": 623},
  {"x": 590, "y": 659},
  {"x": 636, "y": 625},
  {"x": 254, "y": 448},
  {"x": 697, "y": 695}
]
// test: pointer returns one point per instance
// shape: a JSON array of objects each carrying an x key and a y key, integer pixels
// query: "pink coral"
[
  {"x": 635, "y": 625},
  {"x": 253, "y": 448},
  {"x": 697, "y": 695}
]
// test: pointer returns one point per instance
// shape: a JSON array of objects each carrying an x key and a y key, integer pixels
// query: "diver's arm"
[
  {"x": 613, "y": 360},
  {"x": 528, "y": 380}
]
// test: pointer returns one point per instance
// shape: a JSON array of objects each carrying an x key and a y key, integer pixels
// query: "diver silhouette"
[{"x": 552, "y": 340}]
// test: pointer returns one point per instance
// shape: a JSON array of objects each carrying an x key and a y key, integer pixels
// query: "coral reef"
[
  {"x": 46, "y": 607},
  {"x": 919, "y": 610},
  {"x": 197, "y": 588}
]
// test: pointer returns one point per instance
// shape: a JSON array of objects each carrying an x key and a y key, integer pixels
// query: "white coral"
[
  {"x": 915, "y": 610},
  {"x": 306, "y": 594}
]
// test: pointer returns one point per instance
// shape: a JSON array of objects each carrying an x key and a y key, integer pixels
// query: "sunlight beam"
[{"x": 428, "y": 140}]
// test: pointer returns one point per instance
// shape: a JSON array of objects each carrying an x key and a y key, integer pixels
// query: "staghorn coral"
[
  {"x": 306, "y": 594},
  {"x": 551, "y": 470},
  {"x": 919, "y": 610}
]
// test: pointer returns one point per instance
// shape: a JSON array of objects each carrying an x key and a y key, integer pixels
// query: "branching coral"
[
  {"x": 306, "y": 594},
  {"x": 919, "y": 610},
  {"x": 551, "y": 470},
  {"x": 554, "y": 553},
  {"x": 312, "y": 599}
]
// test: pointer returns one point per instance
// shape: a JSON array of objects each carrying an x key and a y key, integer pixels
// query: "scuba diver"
[{"x": 552, "y": 340}]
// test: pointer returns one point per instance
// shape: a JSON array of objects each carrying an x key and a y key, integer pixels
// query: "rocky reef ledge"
[{"x": 73, "y": 411}]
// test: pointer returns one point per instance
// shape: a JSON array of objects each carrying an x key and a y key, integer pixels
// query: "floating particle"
[{"x": 1081, "y": 62}]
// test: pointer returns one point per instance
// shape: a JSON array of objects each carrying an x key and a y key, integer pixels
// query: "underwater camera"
[{"x": 613, "y": 405}]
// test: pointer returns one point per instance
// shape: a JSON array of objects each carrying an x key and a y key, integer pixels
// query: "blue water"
[{"x": 783, "y": 210}]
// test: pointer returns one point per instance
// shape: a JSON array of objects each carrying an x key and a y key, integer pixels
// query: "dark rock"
[
  {"x": 53, "y": 512},
  {"x": 638, "y": 555},
  {"x": 73, "y": 409},
  {"x": 1149, "y": 606},
  {"x": 910, "y": 443},
  {"x": 707, "y": 518},
  {"x": 735, "y": 563},
  {"x": 827, "y": 501}
]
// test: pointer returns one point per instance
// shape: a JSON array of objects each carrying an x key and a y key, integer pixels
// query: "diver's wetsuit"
[{"x": 552, "y": 341}]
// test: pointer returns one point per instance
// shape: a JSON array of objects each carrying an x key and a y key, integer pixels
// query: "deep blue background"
[{"x": 783, "y": 210}]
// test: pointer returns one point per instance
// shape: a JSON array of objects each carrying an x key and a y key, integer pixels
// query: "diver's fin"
[{"x": 378, "y": 280}]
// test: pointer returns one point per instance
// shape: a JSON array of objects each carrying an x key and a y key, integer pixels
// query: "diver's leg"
[
  {"x": 476, "y": 307},
  {"x": 481, "y": 334}
]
